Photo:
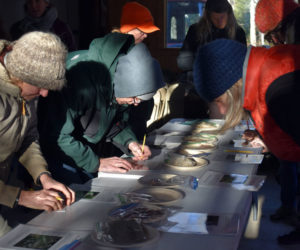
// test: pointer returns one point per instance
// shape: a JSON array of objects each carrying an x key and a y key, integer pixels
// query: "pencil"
[
  {"x": 59, "y": 199},
  {"x": 238, "y": 151},
  {"x": 143, "y": 143}
]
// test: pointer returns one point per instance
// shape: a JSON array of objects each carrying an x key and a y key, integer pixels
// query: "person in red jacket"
[
  {"x": 279, "y": 20},
  {"x": 257, "y": 82}
]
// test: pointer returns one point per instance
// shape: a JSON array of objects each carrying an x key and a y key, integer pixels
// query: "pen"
[{"x": 143, "y": 143}]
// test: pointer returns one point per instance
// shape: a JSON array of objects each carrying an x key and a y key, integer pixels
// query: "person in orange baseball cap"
[{"x": 137, "y": 20}]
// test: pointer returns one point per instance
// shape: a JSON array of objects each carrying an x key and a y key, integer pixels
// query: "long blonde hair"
[{"x": 235, "y": 111}]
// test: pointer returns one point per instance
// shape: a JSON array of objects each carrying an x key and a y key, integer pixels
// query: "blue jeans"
[{"x": 288, "y": 175}]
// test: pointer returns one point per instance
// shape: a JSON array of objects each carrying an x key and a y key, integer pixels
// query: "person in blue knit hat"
[{"x": 257, "y": 82}]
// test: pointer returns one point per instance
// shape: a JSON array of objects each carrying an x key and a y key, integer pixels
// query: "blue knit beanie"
[{"x": 218, "y": 65}]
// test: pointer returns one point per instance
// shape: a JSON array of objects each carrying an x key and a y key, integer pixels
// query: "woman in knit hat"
[
  {"x": 91, "y": 114},
  {"x": 41, "y": 15},
  {"x": 29, "y": 67},
  {"x": 279, "y": 20},
  {"x": 218, "y": 21},
  {"x": 136, "y": 20},
  {"x": 260, "y": 82}
]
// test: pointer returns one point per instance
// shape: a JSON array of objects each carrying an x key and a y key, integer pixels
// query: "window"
[{"x": 180, "y": 15}]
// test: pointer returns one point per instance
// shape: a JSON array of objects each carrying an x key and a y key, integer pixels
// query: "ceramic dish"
[
  {"x": 148, "y": 213},
  {"x": 152, "y": 236},
  {"x": 198, "y": 145},
  {"x": 160, "y": 196},
  {"x": 198, "y": 162},
  {"x": 201, "y": 137},
  {"x": 158, "y": 180}
]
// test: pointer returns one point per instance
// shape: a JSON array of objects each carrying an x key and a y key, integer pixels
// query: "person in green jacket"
[
  {"x": 29, "y": 67},
  {"x": 93, "y": 109}
]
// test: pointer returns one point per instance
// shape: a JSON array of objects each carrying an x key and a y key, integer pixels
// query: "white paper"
[
  {"x": 199, "y": 223},
  {"x": 20, "y": 232},
  {"x": 236, "y": 157},
  {"x": 237, "y": 181}
]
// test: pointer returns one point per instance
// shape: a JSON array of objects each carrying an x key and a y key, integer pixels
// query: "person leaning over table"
[
  {"x": 261, "y": 82},
  {"x": 218, "y": 21},
  {"x": 279, "y": 20},
  {"x": 29, "y": 67},
  {"x": 80, "y": 122},
  {"x": 137, "y": 20}
]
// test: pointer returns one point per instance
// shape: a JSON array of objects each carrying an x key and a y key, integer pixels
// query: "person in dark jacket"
[
  {"x": 218, "y": 21},
  {"x": 280, "y": 22},
  {"x": 79, "y": 123},
  {"x": 41, "y": 15}
]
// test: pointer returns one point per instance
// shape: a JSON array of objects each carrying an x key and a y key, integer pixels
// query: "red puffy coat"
[{"x": 272, "y": 96}]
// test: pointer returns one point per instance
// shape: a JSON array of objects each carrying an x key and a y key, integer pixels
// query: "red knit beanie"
[
  {"x": 269, "y": 13},
  {"x": 135, "y": 15}
]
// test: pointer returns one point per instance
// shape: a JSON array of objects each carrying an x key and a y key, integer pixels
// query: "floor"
[{"x": 262, "y": 234}]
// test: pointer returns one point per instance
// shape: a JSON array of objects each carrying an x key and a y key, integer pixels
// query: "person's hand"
[
  {"x": 114, "y": 164},
  {"x": 49, "y": 183},
  {"x": 249, "y": 134},
  {"x": 252, "y": 138},
  {"x": 258, "y": 143},
  {"x": 138, "y": 152},
  {"x": 42, "y": 200}
]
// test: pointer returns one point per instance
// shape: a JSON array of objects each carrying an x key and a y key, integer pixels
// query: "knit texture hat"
[
  {"x": 38, "y": 58},
  {"x": 218, "y": 65},
  {"x": 137, "y": 74},
  {"x": 269, "y": 13},
  {"x": 219, "y": 6},
  {"x": 135, "y": 15}
]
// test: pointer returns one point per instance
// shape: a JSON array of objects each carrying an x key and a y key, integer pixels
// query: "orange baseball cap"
[
  {"x": 269, "y": 13},
  {"x": 135, "y": 15}
]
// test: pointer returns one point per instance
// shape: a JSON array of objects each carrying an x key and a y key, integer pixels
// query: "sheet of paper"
[
  {"x": 202, "y": 223},
  {"x": 237, "y": 181},
  {"x": 36, "y": 237}
]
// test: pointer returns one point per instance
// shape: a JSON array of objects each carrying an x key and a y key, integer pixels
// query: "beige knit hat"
[{"x": 38, "y": 58}]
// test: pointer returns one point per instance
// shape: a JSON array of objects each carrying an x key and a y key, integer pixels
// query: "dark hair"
[
  {"x": 205, "y": 26},
  {"x": 283, "y": 30},
  {"x": 219, "y": 6}
]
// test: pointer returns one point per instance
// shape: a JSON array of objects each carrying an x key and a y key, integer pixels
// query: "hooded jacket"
[
  {"x": 18, "y": 135},
  {"x": 85, "y": 112},
  {"x": 272, "y": 96}
]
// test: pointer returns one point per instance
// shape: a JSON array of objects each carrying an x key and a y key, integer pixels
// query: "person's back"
[
  {"x": 280, "y": 22},
  {"x": 43, "y": 16}
]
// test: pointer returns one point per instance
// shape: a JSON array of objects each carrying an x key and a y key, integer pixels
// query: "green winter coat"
[
  {"x": 18, "y": 135},
  {"x": 83, "y": 113}
]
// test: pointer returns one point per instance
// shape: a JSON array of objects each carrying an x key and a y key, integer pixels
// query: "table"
[{"x": 78, "y": 220}]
